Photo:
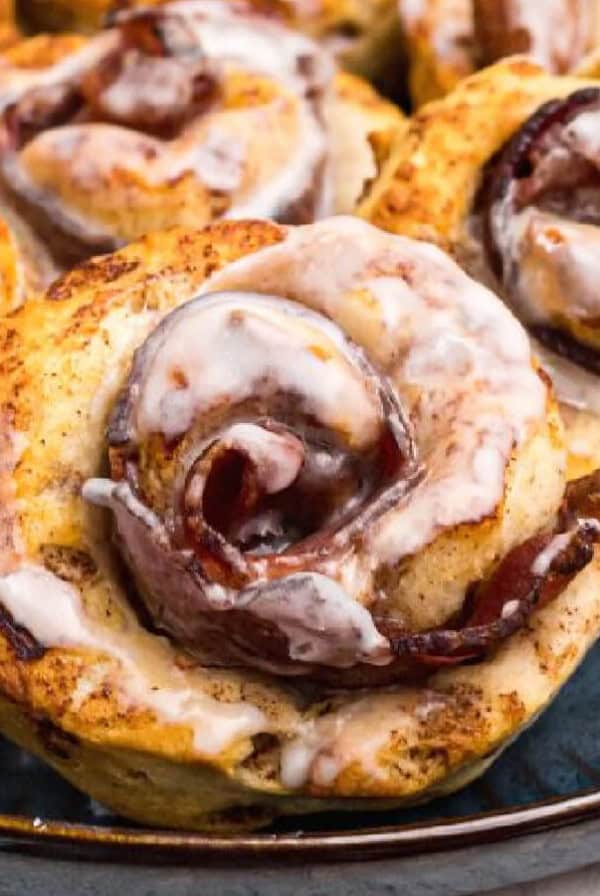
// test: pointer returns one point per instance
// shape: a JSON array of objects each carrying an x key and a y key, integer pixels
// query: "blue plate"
[{"x": 536, "y": 812}]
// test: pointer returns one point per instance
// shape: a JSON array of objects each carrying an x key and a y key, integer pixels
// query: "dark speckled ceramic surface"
[{"x": 558, "y": 758}]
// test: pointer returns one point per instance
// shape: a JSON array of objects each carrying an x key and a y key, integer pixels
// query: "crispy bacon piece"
[
  {"x": 530, "y": 576},
  {"x": 24, "y": 645},
  {"x": 232, "y": 522},
  {"x": 582, "y": 500}
]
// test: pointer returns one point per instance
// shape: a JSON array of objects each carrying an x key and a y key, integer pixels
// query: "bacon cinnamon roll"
[
  {"x": 304, "y": 460},
  {"x": 175, "y": 116},
  {"x": 447, "y": 40},
  {"x": 505, "y": 174},
  {"x": 363, "y": 34}
]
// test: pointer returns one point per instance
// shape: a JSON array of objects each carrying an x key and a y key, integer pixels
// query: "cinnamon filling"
[{"x": 540, "y": 201}]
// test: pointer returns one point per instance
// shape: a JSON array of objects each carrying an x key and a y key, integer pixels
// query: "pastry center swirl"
[
  {"x": 257, "y": 428},
  {"x": 281, "y": 460}
]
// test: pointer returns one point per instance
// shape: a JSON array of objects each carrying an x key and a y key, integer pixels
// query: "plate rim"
[{"x": 27, "y": 835}]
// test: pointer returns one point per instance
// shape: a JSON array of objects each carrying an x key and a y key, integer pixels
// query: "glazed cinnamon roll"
[
  {"x": 363, "y": 34},
  {"x": 504, "y": 173},
  {"x": 249, "y": 469},
  {"x": 449, "y": 39},
  {"x": 175, "y": 116}
]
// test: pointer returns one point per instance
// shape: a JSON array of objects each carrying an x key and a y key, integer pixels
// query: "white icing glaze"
[
  {"x": 449, "y": 341},
  {"x": 356, "y": 732},
  {"x": 323, "y": 624},
  {"x": 234, "y": 346},
  {"x": 320, "y": 619},
  {"x": 147, "y": 82},
  {"x": 106, "y": 493},
  {"x": 277, "y": 458},
  {"x": 573, "y": 385},
  {"x": 52, "y": 611},
  {"x": 559, "y": 543},
  {"x": 551, "y": 262},
  {"x": 556, "y": 264},
  {"x": 448, "y": 24},
  {"x": 219, "y": 160},
  {"x": 509, "y": 609},
  {"x": 545, "y": 559},
  {"x": 583, "y": 135}
]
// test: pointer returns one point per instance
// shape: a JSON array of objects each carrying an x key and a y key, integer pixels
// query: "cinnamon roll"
[
  {"x": 174, "y": 116},
  {"x": 249, "y": 469},
  {"x": 363, "y": 34},
  {"x": 504, "y": 174},
  {"x": 449, "y": 39}
]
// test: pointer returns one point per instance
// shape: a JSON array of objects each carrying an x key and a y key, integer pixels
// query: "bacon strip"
[{"x": 530, "y": 576}]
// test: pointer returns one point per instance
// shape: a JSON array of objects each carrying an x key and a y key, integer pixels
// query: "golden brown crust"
[
  {"x": 61, "y": 361},
  {"x": 42, "y": 50}
]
